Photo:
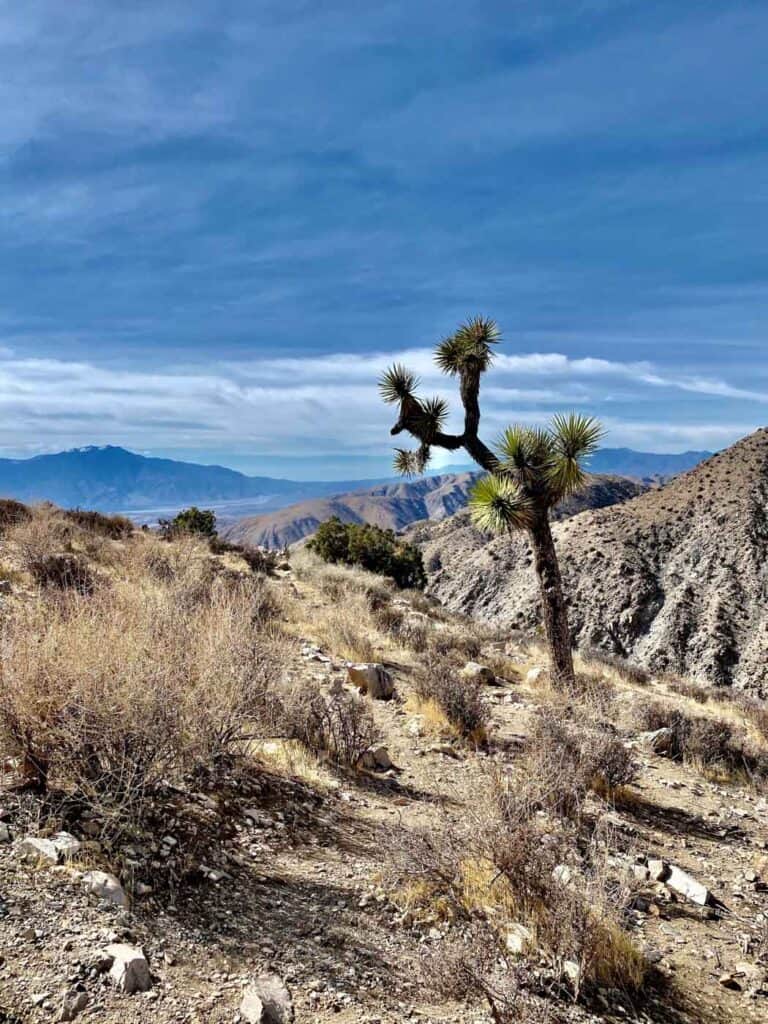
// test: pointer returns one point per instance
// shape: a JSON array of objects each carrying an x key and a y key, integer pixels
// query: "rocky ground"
[{"x": 300, "y": 892}]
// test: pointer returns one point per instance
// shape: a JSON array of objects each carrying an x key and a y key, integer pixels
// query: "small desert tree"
[
  {"x": 530, "y": 471},
  {"x": 191, "y": 520}
]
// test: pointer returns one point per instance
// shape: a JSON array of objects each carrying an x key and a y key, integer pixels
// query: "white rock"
[
  {"x": 534, "y": 674},
  {"x": 267, "y": 1001},
  {"x": 518, "y": 938},
  {"x": 688, "y": 886},
  {"x": 251, "y": 1007},
  {"x": 477, "y": 673},
  {"x": 34, "y": 848},
  {"x": 572, "y": 971},
  {"x": 562, "y": 874},
  {"x": 66, "y": 845},
  {"x": 373, "y": 680},
  {"x": 130, "y": 970},
  {"x": 658, "y": 870},
  {"x": 659, "y": 741},
  {"x": 106, "y": 886}
]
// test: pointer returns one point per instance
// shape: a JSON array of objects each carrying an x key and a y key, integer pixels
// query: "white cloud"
[{"x": 328, "y": 403}]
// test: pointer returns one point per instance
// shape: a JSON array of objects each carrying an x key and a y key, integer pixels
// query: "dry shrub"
[
  {"x": 258, "y": 560},
  {"x": 459, "y": 644},
  {"x": 12, "y": 513},
  {"x": 45, "y": 532},
  {"x": 502, "y": 666},
  {"x": 64, "y": 572},
  {"x": 504, "y": 863},
  {"x": 338, "y": 727},
  {"x": 470, "y": 967},
  {"x": 624, "y": 669},
  {"x": 711, "y": 745},
  {"x": 690, "y": 690},
  {"x": 340, "y": 582},
  {"x": 114, "y": 527},
  {"x": 406, "y": 630},
  {"x": 111, "y": 695},
  {"x": 460, "y": 700},
  {"x": 593, "y": 695},
  {"x": 565, "y": 759}
]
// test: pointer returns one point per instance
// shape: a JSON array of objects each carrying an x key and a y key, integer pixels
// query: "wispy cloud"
[
  {"x": 216, "y": 216},
  {"x": 327, "y": 403}
]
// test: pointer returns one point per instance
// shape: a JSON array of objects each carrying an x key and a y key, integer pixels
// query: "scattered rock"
[
  {"x": 657, "y": 870},
  {"x": 130, "y": 970},
  {"x": 572, "y": 971},
  {"x": 562, "y": 874},
  {"x": 5, "y": 833},
  {"x": 66, "y": 845},
  {"x": 659, "y": 741},
  {"x": 688, "y": 886},
  {"x": 474, "y": 672},
  {"x": 680, "y": 881},
  {"x": 373, "y": 680},
  {"x": 376, "y": 759},
  {"x": 107, "y": 887},
  {"x": 518, "y": 938},
  {"x": 62, "y": 846},
  {"x": 74, "y": 1002},
  {"x": 267, "y": 1001},
  {"x": 34, "y": 848},
  {"x": 251, "y": 1007}
]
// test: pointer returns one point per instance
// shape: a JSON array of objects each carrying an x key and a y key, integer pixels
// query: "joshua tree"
[{"x": 530, "y": 470}]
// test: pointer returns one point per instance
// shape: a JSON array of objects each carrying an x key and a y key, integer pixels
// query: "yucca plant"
[{"x": 530, "y": 470}]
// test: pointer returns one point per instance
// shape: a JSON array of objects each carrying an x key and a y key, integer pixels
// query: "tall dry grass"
[{"x": 161, "y": 674}]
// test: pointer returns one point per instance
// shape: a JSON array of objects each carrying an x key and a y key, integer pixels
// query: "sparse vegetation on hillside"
[
  {"x": 379, "y": 551},
  {"x": 193, "y": 727},
  {"x": 529, "y": 474}
]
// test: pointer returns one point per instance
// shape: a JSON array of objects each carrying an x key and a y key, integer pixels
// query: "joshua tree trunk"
[{"x": 553, "y": 602}]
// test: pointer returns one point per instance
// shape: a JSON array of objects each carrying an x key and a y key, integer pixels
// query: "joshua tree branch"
[{"x": 470, "y": 390}]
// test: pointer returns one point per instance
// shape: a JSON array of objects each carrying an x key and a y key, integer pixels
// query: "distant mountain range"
[
  {"x": 391, "y": 506},
  {"x": 112, "y": 479}
]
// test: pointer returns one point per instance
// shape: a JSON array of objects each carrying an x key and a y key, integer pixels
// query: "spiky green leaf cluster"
[
  {"x": 574, "y": 438},
  {"x": 525, "y": 453},
  {"x": 497, "y": 504},
  {"x": 397, "y": 383},
  {"x": 545, "y": 464},
  {"x": 471, "y": 343},
  {"x": 431, "y": 418},
  {"x": 407, "y": 463}
]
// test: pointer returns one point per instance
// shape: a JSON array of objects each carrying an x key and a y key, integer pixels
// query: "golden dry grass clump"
[{"x": 161, "y": 668}]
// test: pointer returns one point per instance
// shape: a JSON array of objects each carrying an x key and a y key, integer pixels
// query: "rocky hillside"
[
  {"x": 676, "y": 579},
  {"x": 397, "y": 506}
]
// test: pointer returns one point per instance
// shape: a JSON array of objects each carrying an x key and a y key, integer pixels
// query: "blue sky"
[{"x": 220, "y": 220}]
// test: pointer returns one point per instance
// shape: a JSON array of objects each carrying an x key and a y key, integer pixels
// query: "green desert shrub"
[
  {"x": 201, "y": 521},
  {"x": 371, "y": 548}
]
